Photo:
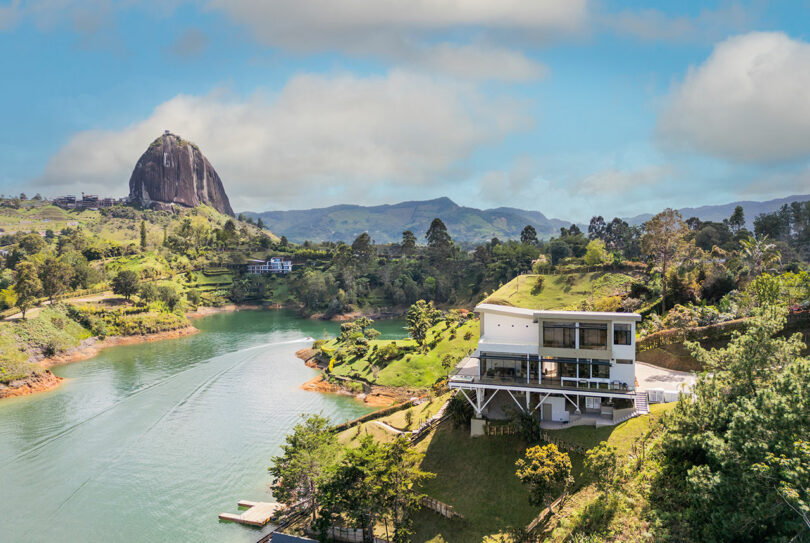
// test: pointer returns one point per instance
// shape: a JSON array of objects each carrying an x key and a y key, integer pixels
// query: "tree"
[
  {"x": 528, "y": 236},
  {"x": 602, "y": 463},
  {"x": 169, "y": 296},
  {"x": 361, "y": 249},
  {"x": 307, "y": 455},
  {"x": 558, "y": 250},
  {"x": 148, "y": 292},
  {"x": 597, "y": 229},
  {"x": 400, "y": 483},
  {"x": 374, "y": 482},
  {"x": 438, "y": 240},
  {"x": 421, "y": 317},
  {"x": 737, "y": 220},
  {"x": 125, "y": 283},
  {"x": 733, "y": 458},
  {"x": 32, "y": 243},
  {"x": 353, "y": 489},
  {"x": 544, "y": 469},
  {"x": 55, "y": 276},
  {"x": 758, "y": 254},
  {"x": 260, "y": 223},
  {"x": 408, "y": 245},
  {"x": 143, "y": 235},
  {"x": 193, "y": 296},
  {"x": 27, "y": 285},
  {"x": 596, "y": 253},
  {"x": 662, "y": 242}
]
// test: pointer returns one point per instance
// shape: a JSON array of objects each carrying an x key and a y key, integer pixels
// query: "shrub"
[{"x": 388, "y": 352}]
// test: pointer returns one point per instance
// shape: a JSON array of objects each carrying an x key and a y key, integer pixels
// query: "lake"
[{"x": 150, "y": 442}]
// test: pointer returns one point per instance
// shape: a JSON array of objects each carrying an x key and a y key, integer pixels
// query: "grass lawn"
[
  {"x": 413, "y": 369},
  {"x": 420, "y": 412},
  {"x": 557, "y": 292},
  {"x": 477, "y": 477},
  {"x": 620, "y": 436}
]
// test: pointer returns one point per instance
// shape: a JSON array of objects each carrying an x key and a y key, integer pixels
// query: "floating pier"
[{"x": 257, "y": 514}]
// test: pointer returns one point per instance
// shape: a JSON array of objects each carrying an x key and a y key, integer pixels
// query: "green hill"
[
  {"x": 559, "y": 291},
  {"x": 386, "y": 223}
]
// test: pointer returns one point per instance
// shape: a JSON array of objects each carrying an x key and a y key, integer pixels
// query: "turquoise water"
[{"x": 150, "y": 442}]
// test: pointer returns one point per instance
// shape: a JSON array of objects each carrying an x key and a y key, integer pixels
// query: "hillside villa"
[
  {"x": 275, "y": 265},
  {"x": 567, "y": 367}
]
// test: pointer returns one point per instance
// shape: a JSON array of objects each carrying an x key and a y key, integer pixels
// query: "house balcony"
[{"x": 465, "y": 375}]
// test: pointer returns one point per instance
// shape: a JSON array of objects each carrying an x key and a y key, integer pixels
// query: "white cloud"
[
  {"x": 615, "y": 181},
  {"x": 316, "y": 24},
  {"x": 405, "y": 31},
  {"x": 749, "y": 101},
  {"x": 654, "y": 25},
  {"x": 320, "y": 140},
  {"x": 479, "y": 62},
  {"x": 9, "y": 15}
]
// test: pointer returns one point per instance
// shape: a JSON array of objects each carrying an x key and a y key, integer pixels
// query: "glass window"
[
  {"x": 592, "y": 336},
  {"x": 621, "y": 334},
  {"x": 601, "y": 371},
  {"x": 568, "y": 369},
  {"x": 592, "y": 403},
  {"x": 584, "y": 370},
  {"x": 559, "y": 335},
  {"x": 623, "y": 361}
]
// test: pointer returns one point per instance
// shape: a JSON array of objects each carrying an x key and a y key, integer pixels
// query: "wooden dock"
[{"x": 257, "y": 514}]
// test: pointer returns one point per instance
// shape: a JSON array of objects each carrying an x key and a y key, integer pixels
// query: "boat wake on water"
[{"x": 205, "y": 384}]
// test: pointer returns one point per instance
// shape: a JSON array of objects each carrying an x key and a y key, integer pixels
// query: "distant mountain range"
[
  {"x": 723, "y": 211},
  {"x": 386, "y": 223}
]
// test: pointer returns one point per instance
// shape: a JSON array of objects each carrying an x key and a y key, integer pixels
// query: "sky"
[{"x": 571, "y": 108}]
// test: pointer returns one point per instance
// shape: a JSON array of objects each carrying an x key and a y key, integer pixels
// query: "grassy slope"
[
  {"x": 50, "y": 330},
  {"x": 477, "y": 477},
  {"x": 413, "y": 369},
  {"x": 40, "y": 217},
  {"x": 556, "y": 292},
  {"x": 620, "y": 518},
  {"x": 420, "y": 412}
]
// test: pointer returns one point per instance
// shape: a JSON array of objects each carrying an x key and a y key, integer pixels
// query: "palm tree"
[{"x": 759, "y": 255}]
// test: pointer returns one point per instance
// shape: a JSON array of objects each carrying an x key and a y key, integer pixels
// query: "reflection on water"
[{"x": 150, "y": 442}]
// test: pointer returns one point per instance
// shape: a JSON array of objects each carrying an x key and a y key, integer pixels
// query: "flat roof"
[{"x": 549, "y": 314}]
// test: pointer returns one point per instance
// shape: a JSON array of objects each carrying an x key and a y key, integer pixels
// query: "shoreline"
[
  {"x": 372, "y": 395},
  {"x": 44, "y": 380}
]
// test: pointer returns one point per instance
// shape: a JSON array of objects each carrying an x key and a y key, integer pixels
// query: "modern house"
[
  {"x": 560, "y": 365},
  {"x": 275, "y": 265}
]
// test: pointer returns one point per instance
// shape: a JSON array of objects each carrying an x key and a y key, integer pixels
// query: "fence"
[
  {"x": 445, "y": 510},
  {"x": 510, "y": 429},
  {"x": 551, "y": 270},
  {"x": 372, "y": 416}
]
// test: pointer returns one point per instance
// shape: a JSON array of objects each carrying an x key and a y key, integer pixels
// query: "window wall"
[
  {"x": 592, "y": 335},
  {"x": 559, "y": 335},
  {"x": 622, "y": 334}
]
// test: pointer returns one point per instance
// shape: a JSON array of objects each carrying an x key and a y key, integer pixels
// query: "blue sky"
[{"x": 570, "y": 108}]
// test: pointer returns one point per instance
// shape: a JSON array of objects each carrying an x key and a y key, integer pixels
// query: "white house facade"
[
  {"x": 558, "y": 365},
  {"x": 274, "y": 265}
]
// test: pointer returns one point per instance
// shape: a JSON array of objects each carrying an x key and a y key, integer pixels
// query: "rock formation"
[{"x": 172, "y": 172}]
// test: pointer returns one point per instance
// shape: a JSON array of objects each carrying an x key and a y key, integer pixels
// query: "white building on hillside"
[
  {"x": 562, "y": 365},
  {"x": 275, "y": 265}
]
